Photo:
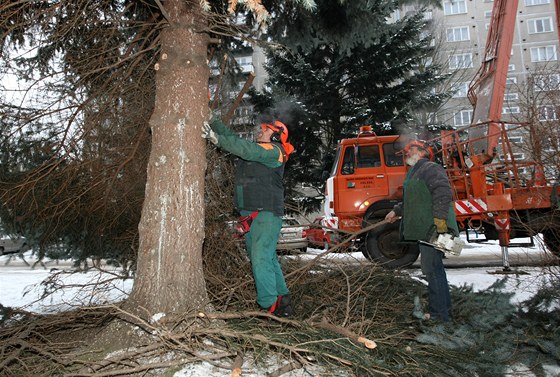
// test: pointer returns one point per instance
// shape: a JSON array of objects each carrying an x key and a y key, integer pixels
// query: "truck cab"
[
  {"x": 365, "y": 182},
  {"x": 367, "y": 170}
]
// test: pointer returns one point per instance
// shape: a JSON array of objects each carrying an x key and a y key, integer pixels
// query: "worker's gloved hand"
[
  {"x": 391, "y": 217},
  {"x": 207, "y": 133},
  {"x": 441, "y": 225}
]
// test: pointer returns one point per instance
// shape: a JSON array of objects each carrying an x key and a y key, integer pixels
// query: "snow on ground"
[{"x": 20, "y": 286}]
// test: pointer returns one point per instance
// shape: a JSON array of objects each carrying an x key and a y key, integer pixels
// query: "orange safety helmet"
[
  {"x": 422, "y": 145},
  {"x": 280, "y": 134}
]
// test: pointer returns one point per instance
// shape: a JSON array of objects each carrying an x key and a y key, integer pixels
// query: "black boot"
[{"x": 282, "y": 307}]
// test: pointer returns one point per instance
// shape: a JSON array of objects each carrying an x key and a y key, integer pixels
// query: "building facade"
[
  {"x": 533, "y": 60},
  {"x": 460, "y": 30}
]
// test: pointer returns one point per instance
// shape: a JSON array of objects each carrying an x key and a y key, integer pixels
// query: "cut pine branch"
[{"x": 368, "y": 343}]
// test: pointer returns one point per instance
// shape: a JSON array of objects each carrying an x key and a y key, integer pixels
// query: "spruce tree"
[{"x": 351, "y": 66}]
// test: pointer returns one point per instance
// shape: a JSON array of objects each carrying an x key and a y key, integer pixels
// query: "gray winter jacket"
[{"x": 427, "y": 194}]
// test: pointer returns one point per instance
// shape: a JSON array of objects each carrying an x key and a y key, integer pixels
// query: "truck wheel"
[
  {"x": 552, "y": 241},
  {"x": 382, "y": 246}
]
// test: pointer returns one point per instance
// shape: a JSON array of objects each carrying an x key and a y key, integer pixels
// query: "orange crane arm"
[{"x": 487, "y": 89}]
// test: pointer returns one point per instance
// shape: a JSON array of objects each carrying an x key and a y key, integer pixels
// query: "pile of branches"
[
  {"x": 346, "y": 319},
  {"x": 351, "y": 319}
]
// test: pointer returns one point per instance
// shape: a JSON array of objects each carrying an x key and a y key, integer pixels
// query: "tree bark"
[{"x": 169, "y": 275}]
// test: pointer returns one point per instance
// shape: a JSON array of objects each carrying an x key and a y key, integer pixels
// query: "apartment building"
[
  {"x": 460, "y": 30},
  {"x": 533, "y": 60}
]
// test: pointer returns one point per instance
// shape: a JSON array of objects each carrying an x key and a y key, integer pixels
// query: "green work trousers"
[{"x": 261, "y": 248}]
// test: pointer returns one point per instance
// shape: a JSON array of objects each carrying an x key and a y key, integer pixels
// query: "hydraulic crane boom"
[
  {"x": 488, "y": 86},
  {"x": 487, "y": 89},
  {"x": 490, "y": 190}
]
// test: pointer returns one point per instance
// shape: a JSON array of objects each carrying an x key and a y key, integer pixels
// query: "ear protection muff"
[{"x": 277, "y": 135}]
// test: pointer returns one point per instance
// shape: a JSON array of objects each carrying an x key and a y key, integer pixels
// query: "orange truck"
[{"x": 490, "y": 194}]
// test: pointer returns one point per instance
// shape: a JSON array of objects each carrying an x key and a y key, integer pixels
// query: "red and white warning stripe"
[
  {"x": 465, "y": 207},
  {"x": 502, "y": 224},
  {"x": 330, "y": 222}
]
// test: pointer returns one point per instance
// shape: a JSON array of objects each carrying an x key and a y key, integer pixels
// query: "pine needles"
[{"x": 336, "y": 304}]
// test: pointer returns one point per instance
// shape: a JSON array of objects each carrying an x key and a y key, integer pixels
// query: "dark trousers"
[{"x": 439, "y": 298}]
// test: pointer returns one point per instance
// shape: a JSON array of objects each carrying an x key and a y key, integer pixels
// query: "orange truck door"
[{"x": 362, "y": 177}]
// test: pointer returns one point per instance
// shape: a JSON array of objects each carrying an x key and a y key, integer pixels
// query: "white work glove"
[
  {"x": 207, "y": 133},
  {"x": 391, "y": 217}
]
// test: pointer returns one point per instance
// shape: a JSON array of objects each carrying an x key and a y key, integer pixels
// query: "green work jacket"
[{"x": 259, "y": 171}]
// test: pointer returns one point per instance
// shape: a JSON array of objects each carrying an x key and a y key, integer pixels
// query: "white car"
[
  {"x": 292, "y": 235},
  {"x": 12, "y": 245}
]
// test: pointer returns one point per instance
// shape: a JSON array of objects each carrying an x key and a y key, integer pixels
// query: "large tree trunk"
[{"x": 169, "y": 272}]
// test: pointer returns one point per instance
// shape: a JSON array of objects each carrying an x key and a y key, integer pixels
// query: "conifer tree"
[
  {"x": 351, "y": 66},
  {"x": 127, "y": 85}
]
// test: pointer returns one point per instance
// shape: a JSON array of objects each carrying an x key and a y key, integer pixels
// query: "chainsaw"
[{"x": 446, "y": 243}]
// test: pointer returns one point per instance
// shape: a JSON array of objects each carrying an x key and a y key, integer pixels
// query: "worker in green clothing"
[{"x": 259, "y": 193}]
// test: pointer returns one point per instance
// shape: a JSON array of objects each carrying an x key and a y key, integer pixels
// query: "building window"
[
  {"x": 510, "y": 110},
  {"x": 550, "y": 145},
  {"x": 487, "y": 14},
  {"x": 427, "y": 15},
  {"x": 244, "y": 111},
  {"x": 246, "y": 63},
  {"x": 540, "y": 25},
  {"x": 512, "y": 126},
  {"x": 543, "y": 54},
  {"x": 516, "y": 156},
  {"x": 454, "y": 7},
  {"x": 547, "y": 82},
  {"x": 456, "y": 34},
  {"x": 513, "y": 139},
  {"x": 462, "y": 118},
  {"x": 431, "y": 117},
  {"x": 511, "y": 97},
  {"x": 511, "y": 80},
  {"x": 426, "y": 36},
  {"x": 459, "y": 61},
  {"x": 511, "y": 67},
  {"x": 460, "y": 89},
  {"x": 536, "y": 2},
  {"x": 548, "y": 113}
]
